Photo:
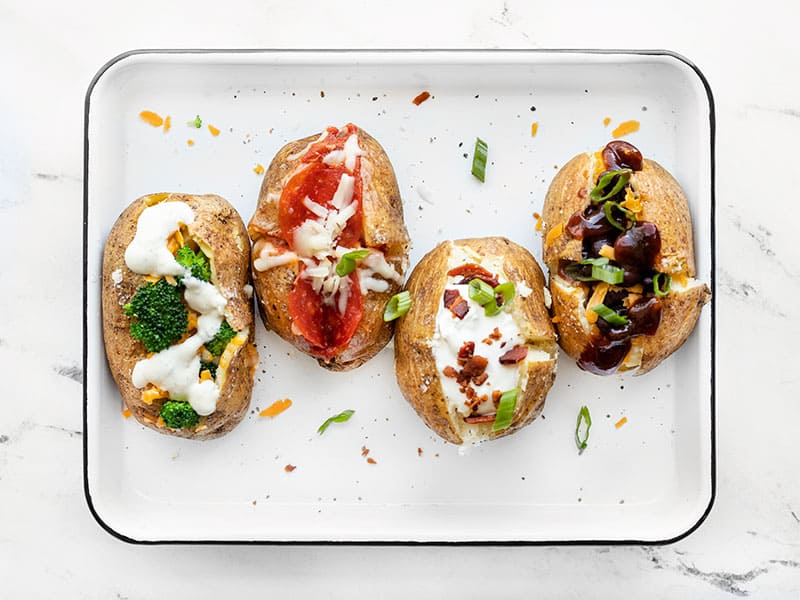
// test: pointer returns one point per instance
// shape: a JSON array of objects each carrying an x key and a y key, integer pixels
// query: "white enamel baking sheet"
[{"x": 650, "y": 480}]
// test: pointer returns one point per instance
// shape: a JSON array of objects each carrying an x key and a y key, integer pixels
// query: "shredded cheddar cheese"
[
  {"x": 276, "y": 408},
  {"x": 214, "y": 131},
  {"x": 631, "y": 202},
  {"x": 126, "y": 413},
  {"x": 621, "y": 422},
  {"x": 553, "y": 234},
  {"x": 151, "y": 278},
  {"x": 200, "y": 428},
  {"x": 681, "y": 279},
  {"x": 538, "y": 218},
  {"x": 151, "y": 118},
  {"x": 258, "y": 169},
  {"x": 534, "y": 128},
  {"x": 190, "y": 142},
  {"x": 606, "y": 121},
  {"x": 192, "y": 324},
  {"x": 155, "y": 199},
  {"x": 625, "y": 128},
  {"x": 205, "y": 375},
  {"x": 597, "y": 298},
  {"x": 230, "y": 350},
  {"x": 607, "y": 251},
  {"x": 175, "y": 241},
  {"x": 167, "y": 123},
  {"x": 152, "y": 392}
]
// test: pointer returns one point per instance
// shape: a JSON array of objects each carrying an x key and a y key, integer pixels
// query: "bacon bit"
[
  {"x": 364, "y": 450},
  {"x": 449, "y": 371},
  {"x": 606, "y": 121},
  {"x": 487, "y": 341},
  {"x": 167, "y": 123},
  {"x": 496, "y": 395},
  {"x": 621, "y": 422},
  {"x": 214, "y": 131},
  {"x": 190, "y": 142},
  {"x": 480, "y": 380},
  {"x": 258, "y": 169},
  {"x": 514, "y": 356},
  {"x": 467, "y": 350},
  {"x": 553, "y": 234},
  {"x": 276, "y": 408},
  {"x": 625, "y": 128},
  {"x": 496, "y": 335},
  {"x": 421, "y": 98},
  {"x": 419, "y": 451},
  {"x": 457, "y": 305},
  {"x": 538, "y": 217},
  {"x": 372, "y": 461},
  {"x": 534, "y": 128},
  {"x": 472, "y": 271},
  {"x": 126, "y": 413},
  {"x": 479, "y": 419},
  {"x": 151, "y": 118},
  {"x": 289, "y": 468},
  {"x": 475, "y": 366}
]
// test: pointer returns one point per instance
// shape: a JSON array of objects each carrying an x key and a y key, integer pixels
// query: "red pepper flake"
[
  {"x": 479, "y": 419},
  {"x": 372, "y": 461},
  {"x": 514, "y": 356},
  {"x": 289, "y": 468},
  {"x": 421, "y": 98},
  {"x": 364, "y": 450}
]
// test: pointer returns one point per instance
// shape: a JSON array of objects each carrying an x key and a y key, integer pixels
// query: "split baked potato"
[
  {"x": 330, "y": 246},
  {"x": 477, "y": 333},
  {"x": 618, "y": 244},
  {"x": 178, "y": 319}
]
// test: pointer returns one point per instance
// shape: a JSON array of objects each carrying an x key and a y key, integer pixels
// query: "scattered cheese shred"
[
  {"x": 625, "y": 128},
  {"x": 553, "y": 234},
  {"x": 167, "y": 123},
  {"x": 276, "y": 408},
  {"x": 205, "y": 375},
  {"x": 258, "y": 169},
  {"x": 126, "y": 413},
  {"x": 621, "y": 422},
  {"x": 214, "y": 131},
  {"x": 152, "y": 392},
  {"x": 372, "y": 461},
  {"x": 151, "y": 118},
  {"x": 200, "y": 428},
  {"x": 534, "y": 128},
  {"x": 597, "y": 298},
  {"x": 192, "y": 323},
  {"x": 190, "y": 142},
  {"x": 607, "y": 251},
  {"x": 631, "y": 202},
  {"x": 606, "y": 121},
  {"x": 538, "y": 218}
]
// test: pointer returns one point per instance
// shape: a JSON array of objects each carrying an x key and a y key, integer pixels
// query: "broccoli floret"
[
  {"x": 210, "y": 367},
  {"x": 196, "y": 261},
  {"x": 179, "y": 415},
  {"x": 216, "y": 345},
  {"x": 160, "y": 316}
]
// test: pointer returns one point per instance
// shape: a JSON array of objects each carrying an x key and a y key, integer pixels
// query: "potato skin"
[
  {"x": 219, "y": 230},
  {"x": 664, "y": 204},
  {"x": 415, "y": 365},
  {"x": 384, "y": 228}
]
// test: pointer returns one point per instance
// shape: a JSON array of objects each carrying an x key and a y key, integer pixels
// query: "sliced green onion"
[
  {"x": 608, "y": 273},
  {"x": 492, "y": 308},
  {"x": 480, "y": 291},
  {"x": 610, "y": 218},
  {"x": 659, "y": 289},
  {"x": 610, "y": 316},
  {"x": 397, "y": 306},
  {"x": 347, "y": 264},
  {"x": 585, "y": 420},
  {"x": 505, "y": 409},
  {"x": 622, "y": 176},
  {"x": 340, "y": 418},
  {"x": 507, "y": 291},
  {"x": 196, "y": 122},
  {"x": 479, "y": 159}
]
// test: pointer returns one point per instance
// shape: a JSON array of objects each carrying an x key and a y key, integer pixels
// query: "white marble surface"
[{"x": 49, "y": 543}]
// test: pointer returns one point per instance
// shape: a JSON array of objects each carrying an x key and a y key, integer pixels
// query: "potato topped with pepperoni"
[{"x": 330, "y": 246}]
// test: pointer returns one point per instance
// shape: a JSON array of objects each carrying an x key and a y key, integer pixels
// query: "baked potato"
[
  {"x": 618, "y": 245},
  {"x": 178, "y": 319},
  {"x": 475, "y": 354},
  {"x": 330, "y": 246}
]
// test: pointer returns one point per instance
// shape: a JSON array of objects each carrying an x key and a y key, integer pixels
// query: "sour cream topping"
[{"x": 176, "y": 368}]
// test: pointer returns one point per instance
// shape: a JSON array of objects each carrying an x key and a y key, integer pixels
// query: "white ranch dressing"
[{"x": 176, "y": 368}]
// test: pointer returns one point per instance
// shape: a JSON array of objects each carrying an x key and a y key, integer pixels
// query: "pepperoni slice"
[{"x": 323, "y": 326}]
